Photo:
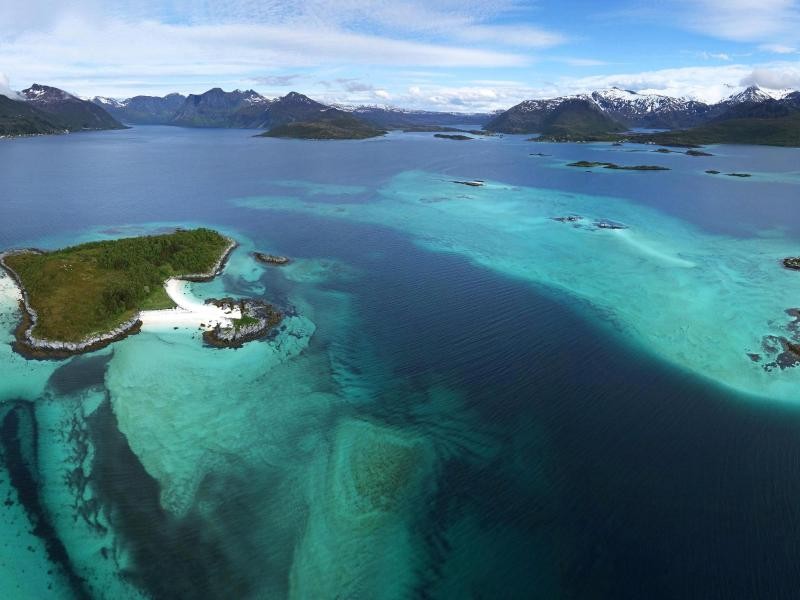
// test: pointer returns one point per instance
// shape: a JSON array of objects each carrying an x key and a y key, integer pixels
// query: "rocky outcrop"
[
  {"x": 792, "y": 262},
  {"x": 258, "y": 319},
  {"x": 271, "y": 259}
]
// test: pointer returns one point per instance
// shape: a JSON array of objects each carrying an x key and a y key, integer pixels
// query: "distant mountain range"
[
  {"x": 753, "y": 116},
  {"x": 248, "y": 109},
  {"x": 42, "y": 109}
]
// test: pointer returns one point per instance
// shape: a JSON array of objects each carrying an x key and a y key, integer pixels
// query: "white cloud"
[
  {"x": 708, "y": 84},
  {"x": 5, "y": 88},
  {"x": 507, "y": 35},
  {"x": 775, "y": 78},
  {"x": 714, "y": 56},
  {"x": 76, "y": 51},
  {"x": 778, "y": 49},
  {"x": 580, "y": 62},
  {"x": 382, "y": 94},
  {"x": 765, "y": 21},
  {"x": 276, "y": 80}
]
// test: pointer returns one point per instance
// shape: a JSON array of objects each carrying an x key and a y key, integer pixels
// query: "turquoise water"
[
  {"x": 705, "y": 302},
  {"x": 468, "y": 398}
]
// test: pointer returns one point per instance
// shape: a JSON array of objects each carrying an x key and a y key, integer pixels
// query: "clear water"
[{"x": 471, "y": 399}]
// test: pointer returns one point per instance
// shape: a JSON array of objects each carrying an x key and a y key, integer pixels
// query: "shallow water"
[{"x": 470, "y": 399}]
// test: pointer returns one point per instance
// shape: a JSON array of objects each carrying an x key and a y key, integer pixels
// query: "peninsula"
[{"x": 84, "y": 297}]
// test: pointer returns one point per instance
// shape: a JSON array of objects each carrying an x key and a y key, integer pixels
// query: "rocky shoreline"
[
  {"x": 216, "y": 269},
  {"x": 260, "y": 319},
  {"x": 32, "y": 347}
]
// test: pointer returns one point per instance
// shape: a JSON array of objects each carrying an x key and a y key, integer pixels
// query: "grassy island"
[
  {"x": 345, "y": 127},
  {"x": 455, "y": 136},
  {"x": 88, "y": 290}
]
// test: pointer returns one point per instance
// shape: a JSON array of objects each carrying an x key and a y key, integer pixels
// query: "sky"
[{"x": 459, "y": 55}]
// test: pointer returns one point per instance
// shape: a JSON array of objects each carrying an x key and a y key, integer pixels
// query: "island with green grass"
[
  {"x": 84, "y": 297},
  {"x": 330, "y": 125}
]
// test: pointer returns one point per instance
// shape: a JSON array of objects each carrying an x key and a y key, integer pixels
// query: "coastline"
[{"x": 32, "y": 347}]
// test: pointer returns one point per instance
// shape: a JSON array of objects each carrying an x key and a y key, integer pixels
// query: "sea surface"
[{"x": 468, "y": 399}]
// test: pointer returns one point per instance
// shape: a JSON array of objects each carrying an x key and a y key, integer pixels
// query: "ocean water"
[{"x": 469, "y": 399}]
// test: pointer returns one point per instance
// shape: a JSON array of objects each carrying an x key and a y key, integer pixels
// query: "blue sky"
[{"x": 465, "y": 55}]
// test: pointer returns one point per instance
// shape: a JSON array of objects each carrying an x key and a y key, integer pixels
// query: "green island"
[
  {"x": 333, "y": 127},
  {"x": 782, "y": 131},
  {"x": 83, "y": 297},
  {"x": 586, "y": 164},
  {"x": 453, "y": 136}
]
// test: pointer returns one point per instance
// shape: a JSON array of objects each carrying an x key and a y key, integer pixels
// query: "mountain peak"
[
  {"x": 751, "y": 93},
  {"x": 45, "y": 93},
  {"x": 297, "y": 97}
]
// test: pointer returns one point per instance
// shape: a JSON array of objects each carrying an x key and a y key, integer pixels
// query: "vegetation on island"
[
  {"x": 19, "y": 118},
  {"x": 609, "y": 165},
  {"x": 570, "y": 120},
  {"x": 335, "y": 126},
  {"x": 453, "y": 136},
  {"x": 94, "y": 287},
  {"x": 781, "y": 131}
]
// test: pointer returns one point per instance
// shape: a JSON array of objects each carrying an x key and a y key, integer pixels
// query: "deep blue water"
[{"x": 575, "y": 465}]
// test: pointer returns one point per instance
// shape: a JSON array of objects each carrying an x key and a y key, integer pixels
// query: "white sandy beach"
[
  {"x": 190, "y": 312},
  {"x": 9, "y": 292}
]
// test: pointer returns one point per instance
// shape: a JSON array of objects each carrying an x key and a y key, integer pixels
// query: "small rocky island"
[
  {"x": 576, "y": 220},
  {"x": 586, "y": 164},
  {"x": 471, "y": 182},
  {"x": 792, "y": 262},
  {"x": 82, "y": 298},
  {"x": 257, "y": 320},
  {"x": 271, "y": 259}
]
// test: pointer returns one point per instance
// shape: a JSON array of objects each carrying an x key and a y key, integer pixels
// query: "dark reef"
[{"x": 613, "y": 166}]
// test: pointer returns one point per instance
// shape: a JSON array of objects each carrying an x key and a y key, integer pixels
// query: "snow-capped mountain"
[
  {"x": 649, "y": 110},
  {"x": 44, "y": 94},
  {"x": 108, "y": 102},
  {"x": 755, "y": 93},
  {"x": 657, "y": 111},
  {"x": 564, "y": 117},
  {"x": 73, "y": 112},
  {"x": 392, "y": 116}
]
